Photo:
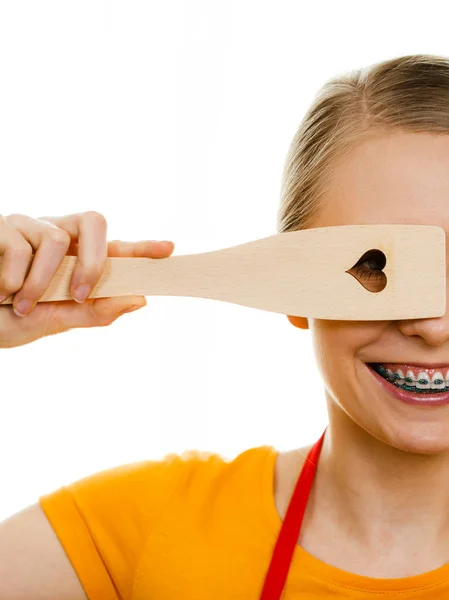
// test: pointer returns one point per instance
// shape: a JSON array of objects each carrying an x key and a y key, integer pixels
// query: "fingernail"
[
  {"x": 132, "y": 308},
  {"x": 23, "y": 308},
  {"x": 81, "y": 292}
]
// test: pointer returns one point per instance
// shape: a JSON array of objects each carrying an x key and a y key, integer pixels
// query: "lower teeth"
[{"x": 409, "y": 388}]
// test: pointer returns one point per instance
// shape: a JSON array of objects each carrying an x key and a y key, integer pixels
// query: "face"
[{"x": 392, "y": 178}]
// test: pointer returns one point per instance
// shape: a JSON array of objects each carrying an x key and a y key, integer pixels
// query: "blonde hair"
[{"x": 409, "y": 93}]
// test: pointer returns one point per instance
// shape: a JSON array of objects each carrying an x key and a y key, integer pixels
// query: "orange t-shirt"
[{"x": 197, "y": 526}]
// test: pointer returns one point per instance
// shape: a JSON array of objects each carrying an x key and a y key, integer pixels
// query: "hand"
[{"x": 32, "y": 251}]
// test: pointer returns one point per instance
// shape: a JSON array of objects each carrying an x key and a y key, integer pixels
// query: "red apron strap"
[{"x": 291, "y": 526}]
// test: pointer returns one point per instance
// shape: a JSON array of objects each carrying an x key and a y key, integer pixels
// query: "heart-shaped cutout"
[{"x": 372, "y": 279}]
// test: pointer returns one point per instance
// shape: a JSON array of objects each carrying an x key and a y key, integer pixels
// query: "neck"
[{"x": 377, "y": 492}]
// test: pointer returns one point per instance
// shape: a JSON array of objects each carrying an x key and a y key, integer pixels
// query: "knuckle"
[
  {"x": 59, "y": 236},
  {"x": 13, "y": 279},
  {"x": 95, "y": 216},
  {"x": 21, "y": 249},
  {"x": 11, "y": 282},
  {"x": 94, "y": 315}
]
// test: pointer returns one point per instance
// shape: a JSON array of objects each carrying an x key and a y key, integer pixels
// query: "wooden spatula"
[{"x": 350, "y": 272}]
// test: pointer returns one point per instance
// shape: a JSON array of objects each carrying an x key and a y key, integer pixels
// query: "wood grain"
[{"x": 300, "y": 273}]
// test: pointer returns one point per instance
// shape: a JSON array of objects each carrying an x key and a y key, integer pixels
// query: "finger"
[
  {"x": 149, "y": 248},
  {"x": 119, "y": 248},
  {"x": 17, "y": 255},
  {"x": 49, "y": 318},
  {"x": 96, "y": 312},
  {"x": 51, "y": 244},
  {"x": 89, "y": 230},
  {"x": 72, "y": 249}
]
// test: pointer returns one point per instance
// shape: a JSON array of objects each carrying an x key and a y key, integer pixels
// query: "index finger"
[{"x": 148, "y": 248}]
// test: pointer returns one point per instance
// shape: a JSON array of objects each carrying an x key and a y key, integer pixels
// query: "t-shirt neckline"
[{"x": 304, "y": 560}]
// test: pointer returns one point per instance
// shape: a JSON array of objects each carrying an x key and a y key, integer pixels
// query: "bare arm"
[{"x": 33, "y": 564}]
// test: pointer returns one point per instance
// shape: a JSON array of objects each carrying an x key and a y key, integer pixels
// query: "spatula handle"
[{"x": 229, "y": 274}]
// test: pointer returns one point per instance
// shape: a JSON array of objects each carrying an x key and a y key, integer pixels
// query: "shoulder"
[
  {"x": 220, "y": 469},
  {"x": 285, "y": 465},
  {"x": 209, "y": 474}
]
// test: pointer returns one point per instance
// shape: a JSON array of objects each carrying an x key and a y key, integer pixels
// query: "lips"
[{"x": 425, "y": 400}]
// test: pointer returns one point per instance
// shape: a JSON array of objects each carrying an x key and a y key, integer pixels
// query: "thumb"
[
  {"x": 97, "y": 312},
  {"x": 49, "y": 318},
  {"x": 106, "y": 309}
]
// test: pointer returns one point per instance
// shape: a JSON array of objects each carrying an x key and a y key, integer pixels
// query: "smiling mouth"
[{"x": 422, "y": 386}]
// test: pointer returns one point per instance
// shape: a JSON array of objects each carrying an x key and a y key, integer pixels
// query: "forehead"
[{"x": 390, "y": 178}]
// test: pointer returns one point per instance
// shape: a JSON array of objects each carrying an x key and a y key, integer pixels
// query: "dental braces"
[{"x": 395, "y": 376}]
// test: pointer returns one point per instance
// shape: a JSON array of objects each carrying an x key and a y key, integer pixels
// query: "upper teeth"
[{"x": 423, "y": 380}]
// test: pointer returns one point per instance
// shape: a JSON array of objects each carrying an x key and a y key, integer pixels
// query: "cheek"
[
  {"x": 342, "y": 339},
  {"x": 339, "y": 344}
]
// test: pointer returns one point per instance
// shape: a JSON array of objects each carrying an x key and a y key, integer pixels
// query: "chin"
[{"x": 414, "y": 438}]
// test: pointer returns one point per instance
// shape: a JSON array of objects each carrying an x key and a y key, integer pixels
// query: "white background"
[{"x": 173, "y": 120}]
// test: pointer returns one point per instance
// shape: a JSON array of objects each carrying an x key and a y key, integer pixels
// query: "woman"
[{"x": 373, "y": 148}]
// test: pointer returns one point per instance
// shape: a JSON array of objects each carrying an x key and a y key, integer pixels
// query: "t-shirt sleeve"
[{"x": 104, "y": 520}]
